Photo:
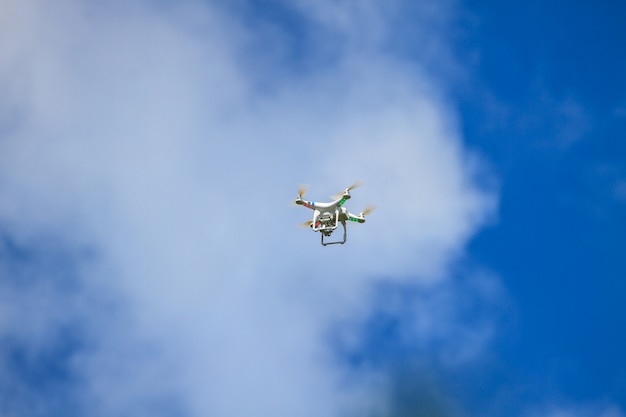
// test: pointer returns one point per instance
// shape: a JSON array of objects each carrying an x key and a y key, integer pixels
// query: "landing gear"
[{"x": 328, "y": 232}]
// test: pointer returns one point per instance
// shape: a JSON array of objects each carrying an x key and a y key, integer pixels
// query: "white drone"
[{"x": 327, "y": 216}]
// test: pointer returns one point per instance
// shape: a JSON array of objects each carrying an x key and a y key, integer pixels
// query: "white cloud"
[{"x": 143, "y": 141}]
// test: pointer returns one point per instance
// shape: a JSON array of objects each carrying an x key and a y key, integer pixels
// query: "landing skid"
[{"x": 341, "y": 242}]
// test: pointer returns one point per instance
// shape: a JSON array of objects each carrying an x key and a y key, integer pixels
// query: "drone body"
[{"x": 328, "y": 216}]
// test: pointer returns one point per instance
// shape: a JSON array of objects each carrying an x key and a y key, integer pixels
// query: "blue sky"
[
  {"x": 150, "y": 263},
  {"x": 558, "y": 241}
]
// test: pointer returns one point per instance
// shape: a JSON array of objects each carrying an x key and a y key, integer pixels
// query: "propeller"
[
  {"x": 368, "y": 210},
  {"x": 302, "y": 189},
  {"x": 352, "y": 187},
  {"x": 306, "y": 224}
]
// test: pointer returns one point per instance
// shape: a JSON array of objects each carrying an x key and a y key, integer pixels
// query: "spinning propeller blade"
[
  {"x": 306, "y": 224},
  {"x": 368, "y": 210},
  {"x": 302, "y": 189},
  {"x": 357, "y": 184}
]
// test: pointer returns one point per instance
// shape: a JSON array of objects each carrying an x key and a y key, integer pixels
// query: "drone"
[{"x": 327, "y": 216}]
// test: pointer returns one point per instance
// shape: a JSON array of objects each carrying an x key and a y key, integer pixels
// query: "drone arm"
[
  {"x": 315, "y": 224},
  {"x": 307, "y": 204},
  {"x": 355, "y": 218},
  {"x": 344, "y": 198}
]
